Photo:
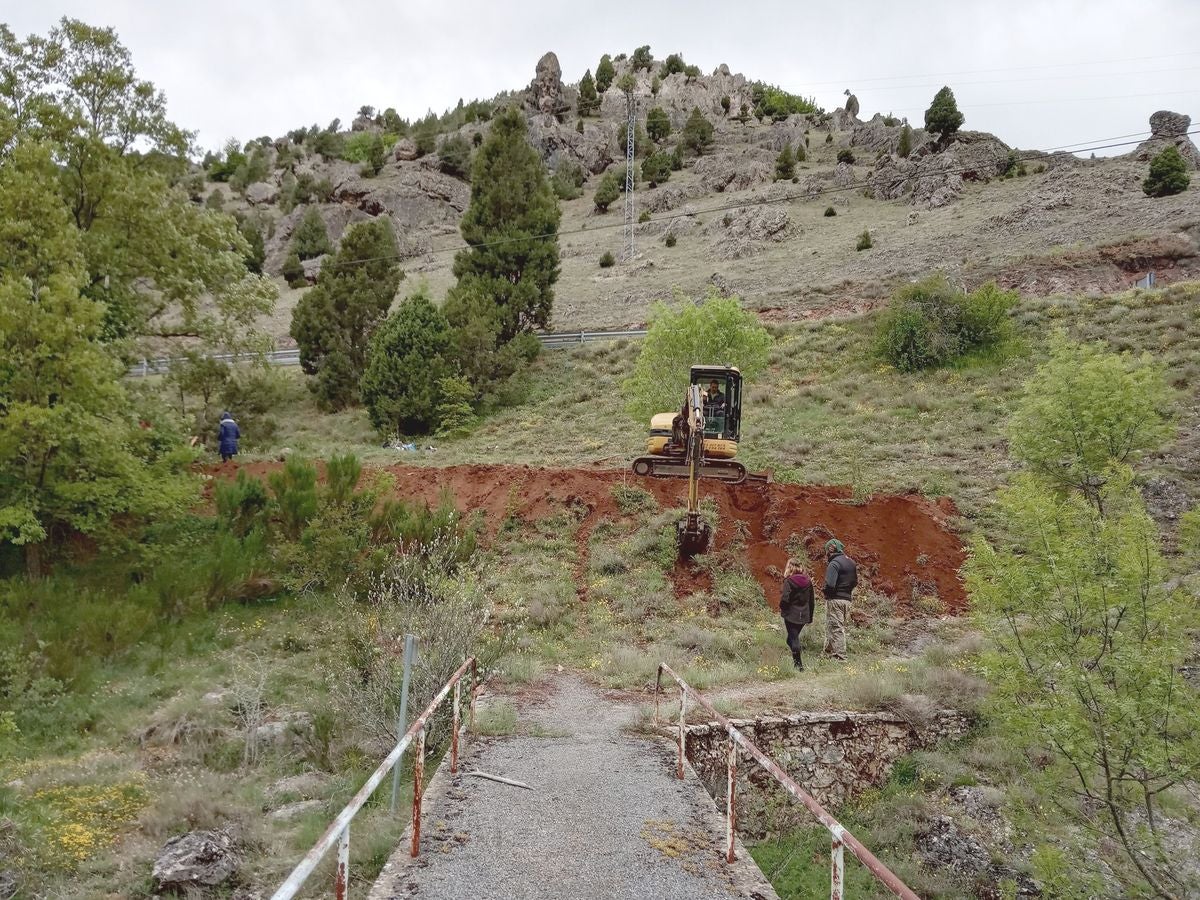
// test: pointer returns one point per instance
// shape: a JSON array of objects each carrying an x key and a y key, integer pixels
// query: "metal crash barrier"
[
  {"x": 840, "y": 838},
  {"x": 339, "y": 831}
]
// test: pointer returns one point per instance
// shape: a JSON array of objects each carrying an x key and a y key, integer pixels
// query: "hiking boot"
[{"x": 797, "y": 662}]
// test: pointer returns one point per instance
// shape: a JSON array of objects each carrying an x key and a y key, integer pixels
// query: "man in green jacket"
[{"x": 841, "y": 577}]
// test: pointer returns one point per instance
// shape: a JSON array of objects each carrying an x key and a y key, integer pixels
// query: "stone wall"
[{"x": 834, "y": 756}]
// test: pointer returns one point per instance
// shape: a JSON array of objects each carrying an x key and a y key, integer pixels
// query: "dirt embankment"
[{"x": 904, "y": 544}]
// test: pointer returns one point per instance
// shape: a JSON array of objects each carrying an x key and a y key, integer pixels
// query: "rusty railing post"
[
  {"x": 657, "y": 688},
  {"x": 730, "y": 802},
  {"x": 682, "y": 731},
  {"x": 454, "y": 732},
  {"x": 474, "y": 691},
  {"x": 418, "y": 790},
  {"x": 837, "y": 865},
  {"x": 342, "y": 880}
]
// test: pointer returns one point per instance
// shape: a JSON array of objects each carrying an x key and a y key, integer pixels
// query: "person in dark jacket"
[
  {"x": 227, "y": 437},
  {"x": 796, "y": 607},
  {"x": 841, "y": 578}
]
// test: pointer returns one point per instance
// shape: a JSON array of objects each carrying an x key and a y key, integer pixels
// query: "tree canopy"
[
  {"x": 942, "y": 117},
  {"x": 717, "y": 332},
  {"x": 1168, "y": 174},
  {"x": 161, "y": 265}
]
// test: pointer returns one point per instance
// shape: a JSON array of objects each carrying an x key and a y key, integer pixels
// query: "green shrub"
[
  {"x": 589, "y": 101},
  {"x": 846, "y": 155},
  {"x": 341, "y": 477},
  {"x": 607, "y": 192},
  {"x": 1168, "y": 174},
  {"x": 864, "y": 241},
  {"x": 641, "y": 58},
  {"x": 725, "y": 103},
  {"x": 771, "y": 102},
  {"x": 455, "y": 413},
  {"x": 454, "y": 156},
  {"x": 607, "y": 260},
  {"x": 568, "y": 180},
  {"x": 829, "y": 137},
  {"x": 216, "y": 200},
  {"x": 656, "y": 168},
  {"x": 801, "y": 153},
  {"x": 310, "y": 239},
  {"x": 697, "y": 135},
  {"x": 644, "y": 216},
  {"x": 906, "y": 139},
  {"x": 931, "y": 323},
  {"x": 669, "y": 240},
  {"x": 830, "y": 212},
  {"x": 293, "y": 270},
  {"x": 241, "y": 504},
  {"x": 785, "y": 164},
  {"x": 295, "y": 490},
  {"x": 658, "y": 124}
]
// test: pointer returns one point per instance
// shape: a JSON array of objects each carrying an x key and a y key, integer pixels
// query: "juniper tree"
[
  {"x": 607, "y": 192},
  {"x": 942, "y": 117},
  {"x": 785, "y": 164},
  {"x": 658, "y": 124},
  {"x": 409, "y": 357},
  {"x": 310, "y": 239},
  {"x": 605, "y": 73},
  {"x": 697, "y": 135},
  {"x": 589, "y": 101},
  {"x": 1168, "y": 174},
  {"x": 906, "y": 138},
  {"x": 333, "y": 323}
]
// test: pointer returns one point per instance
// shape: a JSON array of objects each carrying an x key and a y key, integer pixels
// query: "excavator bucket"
[{"x": 693, "y": 536}]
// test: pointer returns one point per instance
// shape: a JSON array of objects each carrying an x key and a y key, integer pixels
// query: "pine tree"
[
  {"x": 607, "y": 192},
  {"x": 333, "y": 323},
  {"x": 785, "y": 164},
  {"x": 605, "y": 73},
  {"x": 942, "y": 117},
  {"x": 408, "y": 360},
  {"x": 511, "y": 226},
  {"x": 801, "y": 153},
  {"x": 310, "y": 239},
  {"x": 589, "y": 101},
  {"x": 293, "y": 270},
  {"x": 658, "y": 124},
  {"x": 1168, "y": 174},
  {"x": 906, "y": 139}
]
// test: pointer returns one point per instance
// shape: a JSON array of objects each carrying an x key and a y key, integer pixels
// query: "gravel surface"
[{"x": 605, "y": 818}]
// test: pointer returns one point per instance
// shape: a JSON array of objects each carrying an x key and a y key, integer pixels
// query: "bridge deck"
[{"x": 605, "y": 816}]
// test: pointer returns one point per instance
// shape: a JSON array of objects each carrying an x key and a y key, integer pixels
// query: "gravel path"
[{"x": 606, "y": 818}]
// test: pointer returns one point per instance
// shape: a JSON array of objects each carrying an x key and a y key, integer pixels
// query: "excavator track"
[{"x": 725, "y": 470}]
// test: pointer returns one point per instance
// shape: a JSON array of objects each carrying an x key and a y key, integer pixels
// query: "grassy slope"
[{"x": 826, "y": 411}]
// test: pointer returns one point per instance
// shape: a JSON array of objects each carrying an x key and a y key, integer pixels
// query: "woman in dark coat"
[
  {"x": 796, "y": 607},
  {"x": 227, "y": 437}
]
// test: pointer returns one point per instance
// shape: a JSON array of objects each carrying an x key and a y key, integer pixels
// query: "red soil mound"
[{"x": 904, "y": 544}]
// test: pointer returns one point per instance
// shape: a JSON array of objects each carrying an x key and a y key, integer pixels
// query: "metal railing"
[
  {"x": 840, "y": 838},
  {"x": 291, "y": 356},
  {"x": 339, "y": 831}
]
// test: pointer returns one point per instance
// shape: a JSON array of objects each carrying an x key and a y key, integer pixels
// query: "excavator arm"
[{"x": 694, "y": 533}]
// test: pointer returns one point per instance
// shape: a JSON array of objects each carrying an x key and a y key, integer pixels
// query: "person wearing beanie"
[{"x": 841, "y": 577}]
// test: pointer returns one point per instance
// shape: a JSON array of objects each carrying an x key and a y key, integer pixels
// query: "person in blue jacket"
[{"x": 227, "y": 437}]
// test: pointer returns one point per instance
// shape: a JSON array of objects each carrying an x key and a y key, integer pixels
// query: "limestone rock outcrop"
[
  {"x": 196, "y": 860},
  {"x": 1169, "y": 129},
  {"x": 545, "y": 94}
]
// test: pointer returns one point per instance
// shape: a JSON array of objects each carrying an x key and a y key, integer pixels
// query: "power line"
[
  {"x": 758, "y": 201},
  {"x": 1098, "y": 62},
  {"x": 1038, "y": 80}
]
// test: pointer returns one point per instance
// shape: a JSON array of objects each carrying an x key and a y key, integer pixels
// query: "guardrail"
[
  {"x": 291, "y": 356},
  {"x": 840, "y": 838},
  {"x": 339, "y": 831}
]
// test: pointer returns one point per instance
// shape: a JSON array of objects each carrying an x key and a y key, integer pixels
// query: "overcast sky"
[{"x": 1040, "y": 74}]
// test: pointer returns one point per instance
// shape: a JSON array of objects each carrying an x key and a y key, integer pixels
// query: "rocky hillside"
[{"x": 976, "y": 208}]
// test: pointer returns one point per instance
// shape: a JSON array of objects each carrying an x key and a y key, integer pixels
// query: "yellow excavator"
[{"x": 700, "y": 441}]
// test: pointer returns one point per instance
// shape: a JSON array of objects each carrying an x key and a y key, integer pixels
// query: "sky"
[{"x": 1040, "y": 75}]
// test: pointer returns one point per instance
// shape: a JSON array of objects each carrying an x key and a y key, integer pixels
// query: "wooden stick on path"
[{"x": 490, "y": 777}]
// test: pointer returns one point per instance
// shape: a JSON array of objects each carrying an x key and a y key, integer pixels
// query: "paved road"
[{"x": 605, "y": 819}]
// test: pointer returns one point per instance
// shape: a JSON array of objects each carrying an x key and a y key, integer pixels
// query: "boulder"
[
  {"x": 851, "y": 106},
  {"x": 312, "y": 267},
  {"x": 723, "y": 172},
  {"x": 305, "y": 786},
  {"x": 593, "y": 149},
  {"x": 1169, "y": 129},
  {"x": 363, "y": 123},
  {"x": 8, "y": 884},
  {"x": 545, "y": 93},
  {"x": 404, "y": 151},
  {"x": 195, "y": 860},
  {"x": 262, "y": 192}
]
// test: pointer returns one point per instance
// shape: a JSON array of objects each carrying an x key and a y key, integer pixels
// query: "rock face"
[
  {"x": 932, "y": 179},
  {"x": 852, "y": 105},
  {"x": 262, "y": 192},
  {"x": 719, "y": 173},
  {"x": 363, "y": 123},
  {"x": 8, "y": 885},
  {"x": 545, "y": 94},
  {"x": 195, "y": 860},
  {"x": 1169, "y": 129},
  {"x": 404, "y": 151},
  {"x": 743, "y": 232},
  {"x": 559, "y": 143}
]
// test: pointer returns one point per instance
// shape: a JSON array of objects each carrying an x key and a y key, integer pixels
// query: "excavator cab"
[{"x": 699, "y": 441}]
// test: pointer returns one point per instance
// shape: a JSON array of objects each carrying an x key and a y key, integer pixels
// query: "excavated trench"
[{"x": 905, "y": 544}]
